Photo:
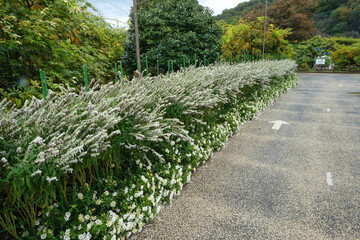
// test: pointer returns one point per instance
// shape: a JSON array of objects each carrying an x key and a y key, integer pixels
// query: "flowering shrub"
[{"x": 102, "y": 163}]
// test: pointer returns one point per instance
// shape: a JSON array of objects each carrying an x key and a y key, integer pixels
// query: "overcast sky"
[{"x": 117, "y": 11}]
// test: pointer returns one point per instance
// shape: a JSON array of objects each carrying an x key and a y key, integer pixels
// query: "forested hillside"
[
  {"x": 232, "y": 15},
  {"x": 330, "y": 17}
]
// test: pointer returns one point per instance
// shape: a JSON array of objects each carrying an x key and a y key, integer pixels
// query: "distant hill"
[
  {"x": 331, "y": 17},
  {"x": 233, "y": 15}
]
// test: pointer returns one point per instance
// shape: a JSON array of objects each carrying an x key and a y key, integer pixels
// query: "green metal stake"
[
  {"x": 42, "y": 83},
  {"x": 86, "y": 78},
  {"x": 45, "y": 83},
  {"x": 115, "y": 72},
  {"x": 184, "y": 60},
  {"x": 157, "y": 67},
  {"x": 147, "y": 67},
  {"x": 169, "y": 68}
]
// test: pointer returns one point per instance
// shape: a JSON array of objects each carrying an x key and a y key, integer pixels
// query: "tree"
[
  {"x": 293, "y": 14},
  {"x": 171, "y": 29},
  {"x": 232, "y": 15},
  {"x": 246, "y": 38},
  {"x": 58, "y": 37}
]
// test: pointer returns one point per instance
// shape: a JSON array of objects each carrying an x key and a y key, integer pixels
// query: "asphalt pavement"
[{"x": 300, "y": 181}]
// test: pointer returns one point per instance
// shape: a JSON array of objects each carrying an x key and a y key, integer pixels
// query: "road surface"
[{"x": 294, "y": 181}]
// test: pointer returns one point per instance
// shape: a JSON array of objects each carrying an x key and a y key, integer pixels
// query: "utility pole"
[
  {"x": 263, "y": 50},
  {"x": 137, "y": 37}
]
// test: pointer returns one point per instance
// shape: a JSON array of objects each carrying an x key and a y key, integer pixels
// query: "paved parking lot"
[{"x": 280, "y": 181}]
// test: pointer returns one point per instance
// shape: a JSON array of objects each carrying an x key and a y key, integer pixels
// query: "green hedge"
[{"x": 102, "y": 163}]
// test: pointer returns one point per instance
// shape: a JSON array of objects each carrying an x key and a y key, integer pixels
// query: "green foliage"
[
  {"x": 247, "y": 38},
  {"x": 332, "y": 17},
  {"x": 58, "y": 37},
  {"x": 233, "y": 15},
  {"x": 346, "y": 56},
  {"x": 338, "y": 17},
  {"x": 52, "y": 149},
  {"x": 343, "y": 51},
  {"x": 169, "y": 30},
  {"x": 307, "y": 51}
]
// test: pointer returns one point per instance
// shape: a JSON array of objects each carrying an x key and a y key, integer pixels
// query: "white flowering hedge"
[{"x": 100, "y": 164}]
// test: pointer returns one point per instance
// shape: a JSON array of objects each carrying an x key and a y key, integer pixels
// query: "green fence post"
[
  {"x": 147, "y": 67},
  {"x": 86, "y": 78},
  {"x": 169, "y": 68},
  {"x": 115, "y": 72},
  {"x": 184, "y": 60},
  {"x": 43, "y": 82},
  {"x": 157, "y": 67},
  {"x": 195, "y": 60}
]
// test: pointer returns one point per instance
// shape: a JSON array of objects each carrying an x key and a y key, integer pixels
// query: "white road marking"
[
  {"x": 328, "y": 109},
  {"x": 329, "y": 179},
  {"x": 277, "y": 124}
]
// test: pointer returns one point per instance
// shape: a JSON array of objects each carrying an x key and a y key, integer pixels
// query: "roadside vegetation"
[{"x": 100, "y": 161}]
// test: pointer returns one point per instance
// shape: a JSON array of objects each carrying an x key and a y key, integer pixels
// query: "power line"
[
  {"x": 111, "y": 5},
  {"x": 117, "y": 20}
]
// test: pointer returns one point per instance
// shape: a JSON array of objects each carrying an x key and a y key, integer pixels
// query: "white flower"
[
  {"x": 106, "y": 193},
  {"x": 144, "y": 178},
  {"x": 115, "y": 194},
  {"x": 38, "y": 140},
  {"x": 3, "y": 160},
  {"x": 113, "y": 204},
  {"x": 50, "y": 179},
  {"x": 43, "y": 236},
  {"x": 81, "y": 218},
  {"x": 167, "y": 150},
  {"x": 98, "y": 222},
  {"x": 80, "y": 196},
  {"x": 172, "y": 143},
  {"x": 37, "y": 172},
  {"x": 98, "y": 202},
  {"x": 87, "y": 217},
  {"x": 89, "y": 226},
  {"x": 37, "y": 223},
  {"x": 67, "y": 216},
  {"x": 19, "y": 149}
]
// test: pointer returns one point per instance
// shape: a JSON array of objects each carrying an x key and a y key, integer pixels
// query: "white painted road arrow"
[{"x": 277, "y": 124}]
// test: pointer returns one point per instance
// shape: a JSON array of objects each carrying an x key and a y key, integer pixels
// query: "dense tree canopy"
[
  {"x": 232, "y": 15},
  {"x": 338, "y": 17},
  {"x": 171, "y": 29},
  {"x": 57, "y": 36},
  {"x": 305, "y": 17},
  {"x": 293, "y": 14},
  {"x": 247, "y": 38}
]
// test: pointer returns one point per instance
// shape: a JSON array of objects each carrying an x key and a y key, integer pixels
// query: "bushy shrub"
[{"x": 102, "y": 163}]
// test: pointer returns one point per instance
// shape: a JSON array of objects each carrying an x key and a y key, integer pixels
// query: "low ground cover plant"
[{"x": 100, "y": 164}]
